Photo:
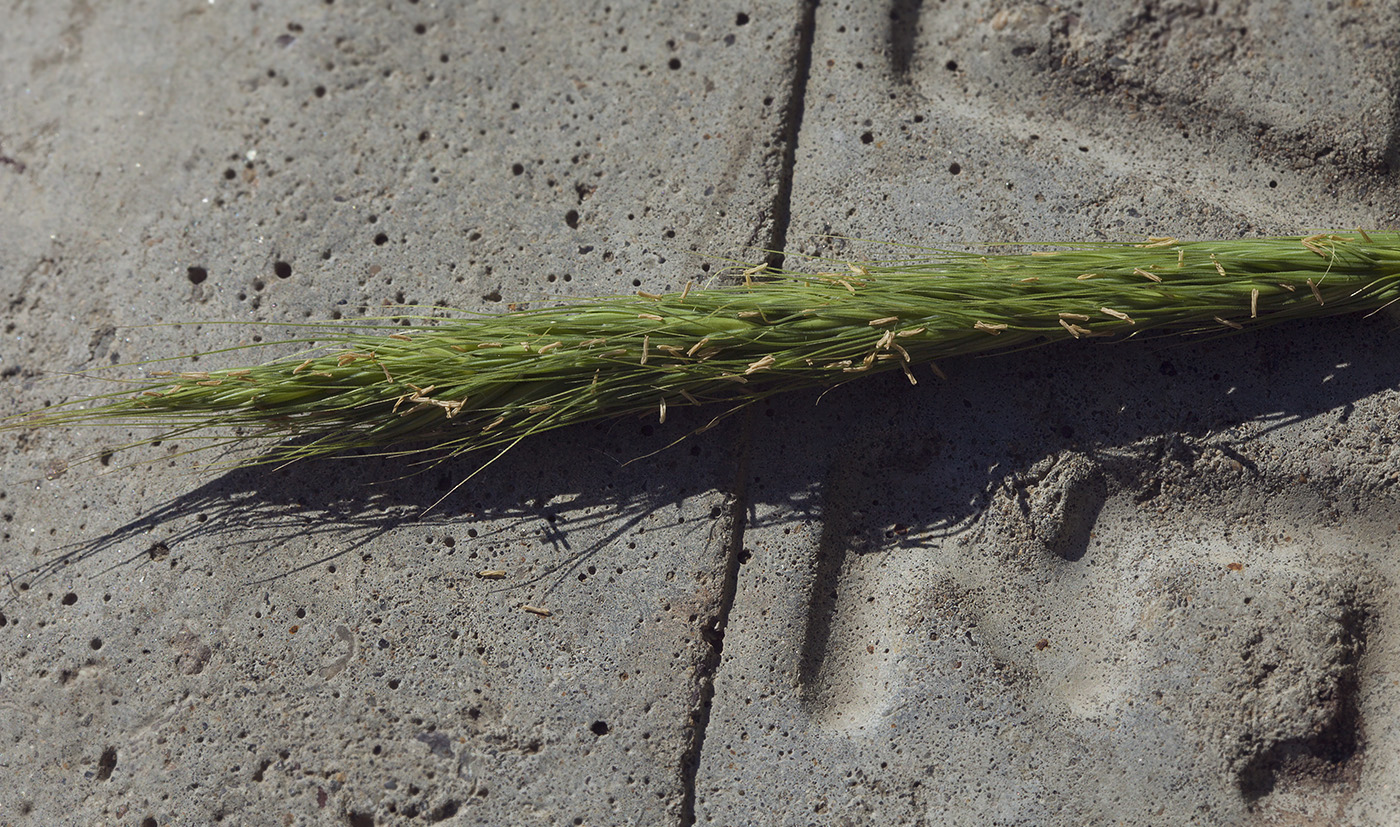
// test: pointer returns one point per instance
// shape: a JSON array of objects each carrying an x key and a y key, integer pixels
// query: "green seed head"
[{"x": 492, "y": 380}]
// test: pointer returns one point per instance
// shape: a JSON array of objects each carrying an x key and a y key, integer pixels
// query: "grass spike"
[{"x": 488, "y": 381}]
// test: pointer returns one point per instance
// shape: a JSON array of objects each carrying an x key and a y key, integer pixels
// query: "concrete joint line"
[
  {"x": 738, "y": 507},
  {"x": 781, "y": 218},
  {"x": 791, "y": 132}
]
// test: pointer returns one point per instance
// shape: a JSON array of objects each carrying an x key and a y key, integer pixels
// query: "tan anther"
[
  {"x": 697, "y": 346},
  {"x": 1254, "y": 303},
  {"x": 1141, "y": 272},
  {"x": 1074, "y": 330},
  {"x": 1311, "y": 242},
  {"x": 884, "y": 321},
  {"x": 762, "y": 364},
  {"x": 1117, "y": 314},
  {"x": 1219, "y": 268},
  {"x": 1317, "y": 294},
  {"x": 1074, "y": 317},
  {"x": 1230, "y": 324},
  {"x": 652, "y": 316},
  {"x": 994, "y": 329}
]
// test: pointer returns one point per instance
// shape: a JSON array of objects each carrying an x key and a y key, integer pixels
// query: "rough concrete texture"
[
  {"x": 307, "y": 646},
  {"x": 1145, "y": 583}
]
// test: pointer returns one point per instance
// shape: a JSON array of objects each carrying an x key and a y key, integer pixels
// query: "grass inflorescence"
[{"x": 491, "y": 380}]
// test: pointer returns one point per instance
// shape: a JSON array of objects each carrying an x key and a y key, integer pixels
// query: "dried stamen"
[
  {"x": 1317, "y": 294},
  {"x": 762, "y": 364}
]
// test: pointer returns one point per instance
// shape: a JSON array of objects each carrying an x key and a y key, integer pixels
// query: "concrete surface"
[{"x": 1142, "y": 584}]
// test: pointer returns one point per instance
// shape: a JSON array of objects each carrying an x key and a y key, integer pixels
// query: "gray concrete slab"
[
  {"x": 181, "y": 646},
  {"x": 1141, "y": 584}
]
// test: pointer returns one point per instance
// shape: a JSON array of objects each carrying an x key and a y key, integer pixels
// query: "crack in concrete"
[
  {"x": 792, "y": 129},
  {"x": 738, "y": 502},
  {"x": 714, "y": 631}
]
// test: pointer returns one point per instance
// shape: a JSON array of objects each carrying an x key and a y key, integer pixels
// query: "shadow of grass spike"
[{"x": 484, "y": 381}]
